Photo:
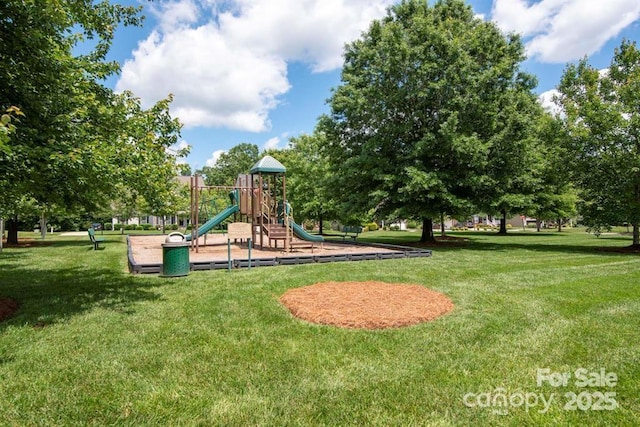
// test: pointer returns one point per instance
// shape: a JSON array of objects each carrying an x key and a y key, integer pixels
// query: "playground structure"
[
  {"x": 261, "y": 215},
  {"x": 258, "y": 198}
]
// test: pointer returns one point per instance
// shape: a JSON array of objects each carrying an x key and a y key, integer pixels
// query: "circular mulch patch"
[
  {"x": 7, "y": 308},
  {"x": 366, "y": 305}
]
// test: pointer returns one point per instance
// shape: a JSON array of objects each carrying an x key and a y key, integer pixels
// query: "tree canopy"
[
  {"x": 602, "y": 115},
  {"x": 238, "y": 160},
  {"x": 555, "y": 197},
  {"x": 77, "y": 139},
  {"x": 423, "y": 106},
  {"x": 308, "y": 172}
]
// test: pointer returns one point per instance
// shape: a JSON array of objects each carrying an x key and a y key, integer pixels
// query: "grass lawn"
[{"x": 94, "y": 345}]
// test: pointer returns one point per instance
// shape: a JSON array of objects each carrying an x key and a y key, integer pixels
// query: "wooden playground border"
[{"x": 365, "y": 252}]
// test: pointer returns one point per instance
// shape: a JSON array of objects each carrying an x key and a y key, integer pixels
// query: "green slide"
[
  {"x": 301, "y": 234},
  {"x": 204, "y": 228}
]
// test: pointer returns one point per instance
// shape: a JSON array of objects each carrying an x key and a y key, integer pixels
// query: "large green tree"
[
  {"x": 308, "y": 172},
  {"x": 76, "y": 139},
  {"x": 555, "y": 197},
  {"x": 511, "y": 176},
  {"x": 238, "y": 160},
  {"x": 419, "y": 110},
  {"x": 602, "y": 115}
]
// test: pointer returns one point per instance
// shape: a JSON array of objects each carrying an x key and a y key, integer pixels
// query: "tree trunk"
[
  {"x": 538, "y": 225},
  {"x": 12, "y": 231},
  {"x": 427, "y": 231},
  {"x": 442, "y": 230},
  {"x": 43, "y": 225},
  {"x": 320, "y": 224},
  {"x": 164, "y": 222},
  {"x": 503, "y": 223},
  {"x": 1, "y": 232},
  {"x": 559, "y": 224},
  {"x": 636, "y": 234}
]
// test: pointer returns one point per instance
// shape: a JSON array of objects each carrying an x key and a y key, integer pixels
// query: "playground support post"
[
  {"x": 194, "y": 212},
  {"x": 229, "y": 260},
  {"x": 287, "y": 225}
]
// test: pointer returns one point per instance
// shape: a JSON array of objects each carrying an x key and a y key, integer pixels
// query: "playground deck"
[{"x": 145, "y": 253}]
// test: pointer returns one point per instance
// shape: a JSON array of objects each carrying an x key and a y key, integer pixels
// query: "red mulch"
[
  {"x": 366, "y": 305},
  {"x": 7, "y": 308}
]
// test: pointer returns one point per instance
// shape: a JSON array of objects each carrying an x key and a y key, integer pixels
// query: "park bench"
[
  {"x": 95, "y": 240},
  {"x": 351, "y": 231}
]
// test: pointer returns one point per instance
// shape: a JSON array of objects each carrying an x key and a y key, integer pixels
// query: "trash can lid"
[
  {"x": 175, "y": 237},
  {"x": 174, "y": 244}
]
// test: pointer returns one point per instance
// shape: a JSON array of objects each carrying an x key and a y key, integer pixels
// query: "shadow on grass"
[
  {"x": 541, "y": 247},
  {"x": 532, "y": 241},
  {"x": 49, "y": 292},
  {"x": 36, "y": 244}
]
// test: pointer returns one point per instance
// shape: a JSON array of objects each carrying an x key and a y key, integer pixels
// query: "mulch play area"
[
  {"x": 145, "y": 253},
  {"x": 366, "y": 305}
]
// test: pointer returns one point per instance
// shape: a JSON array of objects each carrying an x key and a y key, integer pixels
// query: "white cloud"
[
  {"x": 546, "y": 99},
  {"x": 518, "y": 16},
  {"x": 226, "y": 61},
  {"x": 272, "y": 143},
  {"x": 214, "y": 157},
  {"x": 214, "y": 83},
  {"x": 182, "y": 144},
  {"x": 176, "y": 148},
  {"x": 176, "y": 13},
  {"x": 312, "y": 31},
  {"x": 563, "y": 30}
]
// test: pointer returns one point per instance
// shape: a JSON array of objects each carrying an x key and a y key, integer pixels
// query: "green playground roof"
[{"x": 268, "y": 165}]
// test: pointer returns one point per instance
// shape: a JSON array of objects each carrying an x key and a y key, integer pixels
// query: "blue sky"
[{"x": 260, "y": 71}]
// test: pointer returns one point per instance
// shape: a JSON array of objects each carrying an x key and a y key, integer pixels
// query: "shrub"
[
  {"x": 394, "y": 228},
  {"x": 147, "y": 226},
  {"x": 412, "y": 224},
  {"x": 309, "y": 225},
  {"x": 372, "y": 226}
]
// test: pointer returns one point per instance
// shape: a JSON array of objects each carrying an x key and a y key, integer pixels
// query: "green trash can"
[{"x": 175, "y": 256}]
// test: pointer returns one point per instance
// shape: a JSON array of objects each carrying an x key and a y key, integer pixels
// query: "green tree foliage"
[
  {"x": 7, "y": 127},
  {"x": 511, "y": 177},
  {"x": 238, "y": 160},
  {"x": 184, "y": 169},
  {"x": 602, "y": 111},
  {"x": 308, "y": 172},
  {"x": 77, "y": 139},
  {"x": 421, "y": 109},
  {"x": 555, "y": 198}
]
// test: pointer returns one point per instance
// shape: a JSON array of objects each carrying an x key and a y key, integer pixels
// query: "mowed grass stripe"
[{"x": 94, "y": 345}]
